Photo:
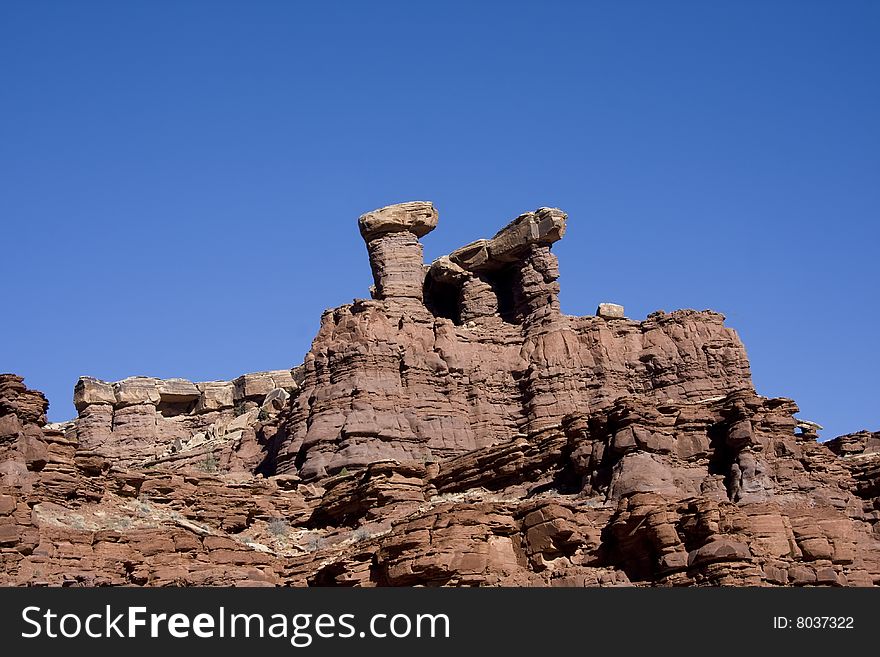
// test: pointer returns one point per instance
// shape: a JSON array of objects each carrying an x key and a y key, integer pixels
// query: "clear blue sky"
[{"x": 180, "y": 181}]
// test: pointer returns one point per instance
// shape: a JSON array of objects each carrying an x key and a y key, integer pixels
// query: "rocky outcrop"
[
  {"x": 487, "y": 356},
  {"x": 146, "y": 421},
  {"x": 456, "y": 429}
]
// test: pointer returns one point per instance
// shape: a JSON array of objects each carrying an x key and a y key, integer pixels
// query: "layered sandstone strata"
[
  {"x": 455, "y": 429},
  {"x": 488, "y": 355},
  {"x": 144, "y": 421}
]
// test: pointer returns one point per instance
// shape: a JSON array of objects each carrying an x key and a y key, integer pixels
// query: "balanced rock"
[
  {"x": 610, "y": 311},
  {"x": 416, "y": 217}
]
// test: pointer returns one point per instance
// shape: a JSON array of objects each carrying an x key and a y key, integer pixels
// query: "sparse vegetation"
[
  {"x": 144, "y": 507},
  {"x": 279, "y": 528},
  {"x": 120, "y": 524},
  {"x": 209, "y": 464}
]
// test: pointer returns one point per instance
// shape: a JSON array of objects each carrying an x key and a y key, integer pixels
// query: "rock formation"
[
  {"x": 455, "y": 429},
  {"x": 146, "y": 421}
]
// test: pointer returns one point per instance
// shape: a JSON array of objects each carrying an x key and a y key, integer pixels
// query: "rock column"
[
  {"x": 517, "y": 265},
  {"x": 535, "y": 284},
  {"x": 392, "y": 235}
]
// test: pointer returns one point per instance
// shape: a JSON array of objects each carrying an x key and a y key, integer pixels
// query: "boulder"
[
  {"x": 275, "y": 400},
  {"x": 416, "y": 217},
  {"x": 92, "y": 391},
  {"x": 610, "y": 311}
]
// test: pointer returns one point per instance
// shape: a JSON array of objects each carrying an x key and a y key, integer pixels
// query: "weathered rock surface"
[
  {"x": 457, "y": 429},
  {"x": 145, "y": 421}
]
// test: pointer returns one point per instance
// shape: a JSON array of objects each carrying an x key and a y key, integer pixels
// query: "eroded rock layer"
[{"x": 456, "y": 429}]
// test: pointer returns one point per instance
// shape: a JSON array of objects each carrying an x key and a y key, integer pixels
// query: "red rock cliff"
[{"x": 455, "y": 429}]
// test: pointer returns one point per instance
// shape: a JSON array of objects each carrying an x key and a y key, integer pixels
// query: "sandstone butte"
[{"x": 456, "y": 429}]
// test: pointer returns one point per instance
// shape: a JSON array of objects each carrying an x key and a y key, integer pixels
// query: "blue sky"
[{"x": 180, "y": 182}]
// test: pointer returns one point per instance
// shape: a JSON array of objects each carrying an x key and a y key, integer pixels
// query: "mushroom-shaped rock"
[{"x": 392, "y": 235}]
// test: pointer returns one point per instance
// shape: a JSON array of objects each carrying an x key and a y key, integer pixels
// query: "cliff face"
[
  {"x": 477, "y": 352},
  {"x": 455, "y": 429}
]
